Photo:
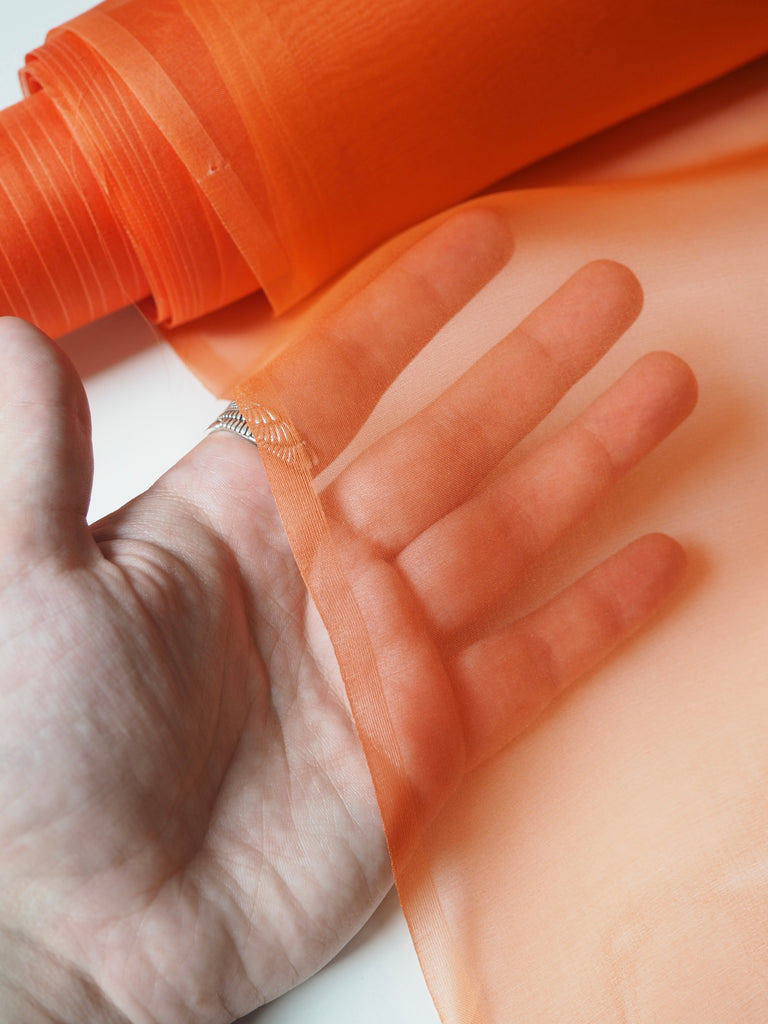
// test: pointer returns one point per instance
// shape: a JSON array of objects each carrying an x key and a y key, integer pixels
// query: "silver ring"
[
  {"x": 272, "y": 434},
  {"x": 232, "y": 419}
]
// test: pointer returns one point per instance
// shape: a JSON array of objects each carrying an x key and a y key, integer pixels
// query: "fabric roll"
[{"x": 241, "y": 146}]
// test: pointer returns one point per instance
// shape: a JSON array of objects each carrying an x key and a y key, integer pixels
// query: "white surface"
[{"x": 148, "y": 410}]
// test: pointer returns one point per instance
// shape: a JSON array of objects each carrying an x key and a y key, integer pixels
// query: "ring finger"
[{"x": 469, "y": 559}]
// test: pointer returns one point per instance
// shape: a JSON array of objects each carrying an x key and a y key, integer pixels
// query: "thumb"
[{"x": 46, "y": 459}]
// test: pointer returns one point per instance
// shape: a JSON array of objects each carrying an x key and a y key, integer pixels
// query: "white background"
[{"x": 148, "y": 410}]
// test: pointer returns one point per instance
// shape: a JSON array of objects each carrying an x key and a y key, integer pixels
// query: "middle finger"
[{"x": 436, "y": 459}]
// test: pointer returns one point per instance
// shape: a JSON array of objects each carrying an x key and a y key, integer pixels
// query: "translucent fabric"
[{"x": 610, "y": 864}]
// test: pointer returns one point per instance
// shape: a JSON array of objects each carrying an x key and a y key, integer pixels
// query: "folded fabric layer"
[
  {"x": 240, "y": 145},
  {"x": 64, "y": 258}
]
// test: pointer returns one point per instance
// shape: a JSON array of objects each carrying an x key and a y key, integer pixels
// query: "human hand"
[{"x": 188, "y": 824}]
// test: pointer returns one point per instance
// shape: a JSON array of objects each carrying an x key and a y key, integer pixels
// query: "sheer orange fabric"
[{"x": 610, "y": 865}]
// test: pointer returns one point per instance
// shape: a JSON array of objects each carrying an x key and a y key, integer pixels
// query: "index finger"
[{"x": 332, "y": 378}]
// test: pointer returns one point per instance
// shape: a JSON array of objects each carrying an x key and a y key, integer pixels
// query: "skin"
[{"x": 188, "y": 825}]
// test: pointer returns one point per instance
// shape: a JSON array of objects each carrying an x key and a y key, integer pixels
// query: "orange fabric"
[
  {"x": 609, "y": 866},
  {"x": 243, "y": 145},
  {"x": 64, "y": 260}
]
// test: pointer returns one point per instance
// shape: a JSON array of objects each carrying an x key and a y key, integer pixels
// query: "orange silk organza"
[{"x": 611, "y": 866}]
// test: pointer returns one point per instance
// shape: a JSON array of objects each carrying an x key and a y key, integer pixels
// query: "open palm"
[{"x": 188, "y": 826}]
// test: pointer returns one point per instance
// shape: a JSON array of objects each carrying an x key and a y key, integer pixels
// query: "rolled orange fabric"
[{"x": 229, "y": 146}]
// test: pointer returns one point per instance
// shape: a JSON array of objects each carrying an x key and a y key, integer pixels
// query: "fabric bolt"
[
  {"x": 241, "y": 146},
  {"x": 610, "y": 864}
]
